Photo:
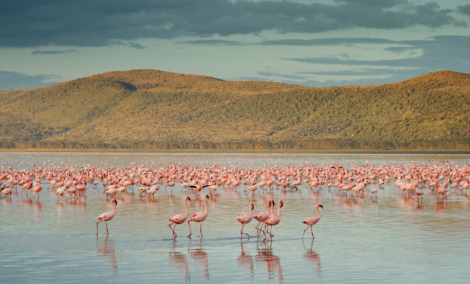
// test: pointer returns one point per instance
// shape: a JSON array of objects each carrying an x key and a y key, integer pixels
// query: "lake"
[{"x": 391, "y": 239}]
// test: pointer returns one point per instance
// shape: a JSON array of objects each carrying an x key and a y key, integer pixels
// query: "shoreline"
[{"x": 212, "y": 151}]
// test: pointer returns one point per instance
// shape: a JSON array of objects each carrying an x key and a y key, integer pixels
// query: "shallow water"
[{"x": 387, "y": 240}]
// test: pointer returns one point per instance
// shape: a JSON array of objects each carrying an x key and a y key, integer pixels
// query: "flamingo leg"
[
  {"x": 189, "y": 236},
  {"x": 304, "y": 233},
  {"x": 312, "y": 232},
  {"x": 106, "y": 227},
  {"x": 261, "y": 229},
  {"x": 172, "y": 230},
  {"x": 97, "y": 227},
  {"x": 241, "y": 232},
  {"x": 200, "y": 228},
  {"x": 271, "y": 231}
]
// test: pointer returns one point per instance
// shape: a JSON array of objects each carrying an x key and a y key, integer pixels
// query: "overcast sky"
[{"x": 314, "y": 43}]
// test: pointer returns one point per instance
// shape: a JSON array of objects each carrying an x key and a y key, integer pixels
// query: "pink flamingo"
[
  {"x": 245, "y": 218},
  {"x": 312, "y": 221},
  {"x": 107, "y": 216},
  {"x": 419, "y": 193},
  {"x": 199, "y": 217},
  {"x": 274, "y": 219},
  {"x": 6, "y": 191},
  {"x": 179, "y": 219},
  {"x": 441, "y": 191},
  {"x": 261, "y": 217},
  {"x": 36, "y": 189}
]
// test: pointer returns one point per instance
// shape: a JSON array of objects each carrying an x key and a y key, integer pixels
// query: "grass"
[{"x": 150, "y": 108}]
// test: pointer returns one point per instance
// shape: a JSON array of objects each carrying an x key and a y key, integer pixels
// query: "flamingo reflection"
[
  {"x": 314, "y": 258},
  {"x": 200, "y": 256},
  {"x": 177, "y": 259},
  {"x": 245, "y": 260},
  {"x": 106, "y": 250},
  {"x": 273, "y": 262}
]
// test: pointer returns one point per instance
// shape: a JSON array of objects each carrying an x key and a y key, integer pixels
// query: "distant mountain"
[{"x": 140, "y": 108}]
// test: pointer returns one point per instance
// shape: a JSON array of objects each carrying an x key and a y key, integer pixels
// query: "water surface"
[{"x": 387, "y": 240}]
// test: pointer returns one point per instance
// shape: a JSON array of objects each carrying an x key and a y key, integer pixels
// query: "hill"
[{"x": 147, "y": 108}]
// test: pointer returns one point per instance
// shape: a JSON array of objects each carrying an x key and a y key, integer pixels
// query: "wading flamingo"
[
  {"x": 261, "y": 217},
  {"x": 107, "y": 216},
  {"x": 312, "y": 221},
  {"x": 245, "y": 218},
  {"x": 36, "y": 189},
  {"x": 199, "y": 217},
  {"x": 179, "y": 218},
  {"x": 274, "y": 219}
]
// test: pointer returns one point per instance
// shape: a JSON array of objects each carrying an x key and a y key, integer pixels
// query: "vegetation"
[{"x": 150, "y": 109}]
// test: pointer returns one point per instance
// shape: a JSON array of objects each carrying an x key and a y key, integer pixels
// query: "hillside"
[{"x": 149, "y": 106}]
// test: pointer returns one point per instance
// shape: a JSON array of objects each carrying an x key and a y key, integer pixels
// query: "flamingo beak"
[
  {"x": 282, "y": 204},
  {"x": 321, "y": 206},
  {"x": 189, "y": 198}
]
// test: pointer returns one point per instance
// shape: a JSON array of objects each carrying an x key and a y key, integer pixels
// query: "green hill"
[{"x": 155, "y": 109}]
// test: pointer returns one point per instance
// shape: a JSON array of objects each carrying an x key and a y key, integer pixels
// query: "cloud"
[
  {"x": 409, "y": 72},
  {"x": 438, "y": 53},
  {"x": 327, "y": 41},
  {"x": 210, "y": 42},
  {"x": 33, "y": 23},
  {"x": 374, "y": 3},
  {"x": 465, "y": 9},
  {"x": 13, "y": 80},
  {"x": 274, "y": 74},
  {"x": 52, "y": 51},
  {"x": 373, "y": 80}
]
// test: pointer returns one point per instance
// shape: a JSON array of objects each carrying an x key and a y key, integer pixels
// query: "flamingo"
[
  {"x": 419, "y": 193},
  {"x": 152, "y": 191},
  {"x": 107, "y": 216},
  {"x": 199, "y": 217},
  {"x": 261, "y": 217},
  {"x": 179, "y": 218},
  {"x": 36, "y": 189},
  {"x": 274, "y": 219},
  {"x": 374, "y": 191},
  {"x": 61, "y": 191},
  {"x": 312, "y": 221},
  {"x": 441, "y": 191},
  {"x": 245, "y": 218},
  {"x": 6, "y": 191}
]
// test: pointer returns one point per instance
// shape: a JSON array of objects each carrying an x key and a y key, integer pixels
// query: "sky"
[{"x": 313, "y": 43}]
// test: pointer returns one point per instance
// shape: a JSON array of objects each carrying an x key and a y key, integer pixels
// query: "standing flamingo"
[
  {"x": 107, "y": 216},
  {"x": 312, "y": 221},
  {"x": 199, "y": 217},
  {"x": 179, "y": 218},
  {"x": 274, "y": 219},
  {"x": 36, "y": 189},
  {"x": 245, "y": 218},
  {"x": 261, "y": 217}
]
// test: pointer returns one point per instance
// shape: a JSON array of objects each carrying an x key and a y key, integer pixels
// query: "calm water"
[{"x": 387, "y": 240}]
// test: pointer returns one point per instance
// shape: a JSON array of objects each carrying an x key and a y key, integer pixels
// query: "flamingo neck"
[
  {"x": 186, "y": 206},
  {"x": 278, "y": 209},
  {"x": 251, "y": 210},
  {"x": 318, "y": 210},
  {"x": 205, "y": 205},
  {"x": 114, "y": 209}
]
